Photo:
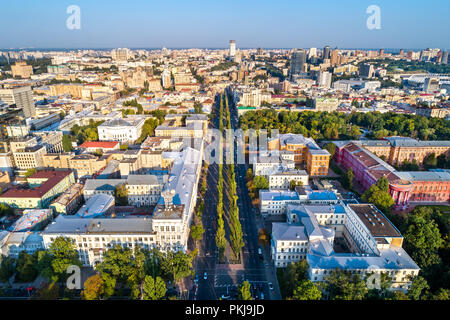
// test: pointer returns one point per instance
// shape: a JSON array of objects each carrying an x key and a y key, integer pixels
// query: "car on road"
[
  {"x": 225, "y": 297},
  {"x": 270, "y": 285},
  {"x": 196, "y": 278},
  {"x": 205, "y": 276},
  {"x": 262, "y": 295}
]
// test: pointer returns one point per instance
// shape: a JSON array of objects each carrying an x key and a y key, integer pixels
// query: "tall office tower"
[
  {"x": 260, "y": 51},
  {"x": 381, "y": 52},
  {"x": 22, "y": 97},
  {"x": 326, "y": 52},
  {"x": 431, "y": 85},
  {"x": 444, "y": 59},
  {"x": 232, "y": 50},
  {"x": 366, "y": 70},
  {"x": 334, "y": 57},
  {"x": 121, "y": 54},
  {"x": 402, "y": 52},
  {"x": 324, "y": 79},
  {"x": 298, "y": 61},
  {"x": 312, "y": 52}
]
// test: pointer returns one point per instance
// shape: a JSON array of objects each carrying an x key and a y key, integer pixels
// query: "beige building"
[
  {"x": 84, "y": 165},
  {"x": 21, "y": 70},
  {"x": 326, "y": 104},
  {"x": 29, "y": 157}
]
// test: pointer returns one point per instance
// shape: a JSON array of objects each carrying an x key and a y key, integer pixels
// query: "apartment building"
[
  {"x": 22, "y": 97},
  {"x": 84, "y": 165},
  {"x": 69, "y": 201},
  {"x": 22, "y": 70},
  {"x": 29, "y": 157}
]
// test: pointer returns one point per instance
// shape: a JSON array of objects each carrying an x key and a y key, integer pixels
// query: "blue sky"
[{"x": 211, "y": 23}]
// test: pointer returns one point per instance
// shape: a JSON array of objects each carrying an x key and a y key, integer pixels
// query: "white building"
[
  {"x": 282, "y": 180},
  {"x": 372, "y": 242},
  {"x": 97, "y": 205},
  {"x": 144, "y": 190},
  {"x": 13, "y": 243},
  {"x": 274, "y": 202},
  {"x": 265, "y": 165},
  {"x": 94, "y": 236},
  {"x": 123, "y": 130}
]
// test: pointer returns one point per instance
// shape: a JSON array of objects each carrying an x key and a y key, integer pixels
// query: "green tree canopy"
[
  {"x": 307, "y": 290},
  {"x": 154, "y": 289}
]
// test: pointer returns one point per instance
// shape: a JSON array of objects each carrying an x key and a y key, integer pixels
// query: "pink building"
[{"x": 368, "y": 168}]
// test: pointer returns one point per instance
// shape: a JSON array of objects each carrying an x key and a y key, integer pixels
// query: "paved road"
[{"x": 257, "y": 271}]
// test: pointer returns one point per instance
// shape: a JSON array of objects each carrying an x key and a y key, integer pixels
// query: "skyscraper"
[
  {"x": 324, "y": 79},
  {"x": 334, "y": 56},
  {"x": 22, "y": 97},
  {"x": 121, "y": 54},
  {"x": 166, "y": 78},
  {"x": 326, "y": 52},
  {"x": 312, "y": 52},
  {"x": 298, "y": 60},
  {"x": 232, "y": 50},
  {"x": 366, "y": 70},
  {"x": 444, "y": 59}
]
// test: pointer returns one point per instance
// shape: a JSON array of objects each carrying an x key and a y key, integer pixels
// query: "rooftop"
[
  {"x": 52, "y": 179},
  {"x": 375, "y": 221}
]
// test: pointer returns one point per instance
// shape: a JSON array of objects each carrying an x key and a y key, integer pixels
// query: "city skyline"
[{"x": 199, "y": 24}]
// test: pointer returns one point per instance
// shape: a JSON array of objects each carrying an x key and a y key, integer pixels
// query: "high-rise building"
[
  {"x": 326, "y": 52},
  {"x": 334, "y": 58},
  {"x": 324, "y": 79},
  {"x": 121, "y": 54},
  {"x": 232, "y": 50},
  {"x": 402, "y": 52},
  {"x": 166, "y": 78},
  {"x": 312, "y": 52},
  {"x": 298, "y": 61},
  {"x": 21, "y": 69},
  {"x": 444, "y": 59},
  {"x": 22, "y": 97},
  {"x": 366, "y": 70}
]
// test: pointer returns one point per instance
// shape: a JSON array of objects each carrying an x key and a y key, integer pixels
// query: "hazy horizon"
[{"x": 204, "y": 24}]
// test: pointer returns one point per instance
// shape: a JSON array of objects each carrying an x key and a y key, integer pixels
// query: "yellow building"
[
  {"x": 84, "y": 165},
  {"x": 73, "y": 89},
  {"x": 305, "y": 151}
]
